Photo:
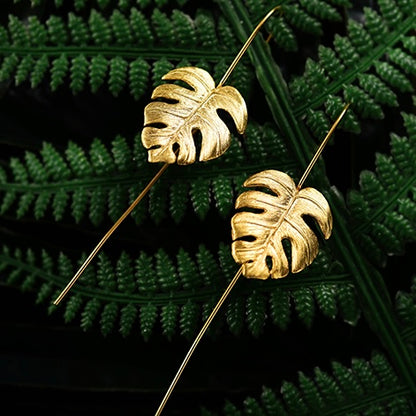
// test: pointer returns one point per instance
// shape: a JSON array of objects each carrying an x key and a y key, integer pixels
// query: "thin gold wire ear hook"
[
  {"x": 321, "y": 147},
  {"x": 150, "y": 132},
  {"x": 246, "y": 45},
  {"x": 240, "y": 272}
]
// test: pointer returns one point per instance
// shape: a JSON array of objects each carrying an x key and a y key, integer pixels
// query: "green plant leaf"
[{"x": 74, "y": 79}]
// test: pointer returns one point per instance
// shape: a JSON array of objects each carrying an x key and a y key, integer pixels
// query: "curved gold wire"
[
  {"x": 246, "y": 45},
  {"x": 321, "y": 147}
]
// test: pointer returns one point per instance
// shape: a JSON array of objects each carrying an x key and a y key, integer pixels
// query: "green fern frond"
[
  {"x": 121, "y": 49},
  {"x": 106, "y": 5},
  {"x": 24, "y": 69},
  {"x": 179, "y": 290},
  {"x": 57, "y": 30},
  {"x": 110, "y": 51},
  {"x": 297, "y": 17},
  {"x": 405, "y": 303},
  {"x": 355, "y": 71},
  {"x": 367, "y": 387},
  {"x": 109, "y": 36},
  {"x": 384, "y": 208},
  {"x": 17, "y": 32},
  {"x": 59, "y": 71},
  {"x": 103, "y": 180},
  {"x": 8, "y": 66},
  {"x": 307, "y": 16}
]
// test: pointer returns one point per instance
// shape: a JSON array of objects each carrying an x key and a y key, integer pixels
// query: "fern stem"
[
  {"x": 372, "y": 290},
  {"x": 364, "y": 403},
  {"x": 109, "y": 182},
  {"x": 378, "y": 308},
  {"x": 131, "y": 52},
  {"x": 202, "y": 294},
  {"x": 179, "y": 297},
  {"x": 358, "y": 68}
]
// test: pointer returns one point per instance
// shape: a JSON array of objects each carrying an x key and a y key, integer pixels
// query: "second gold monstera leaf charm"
[
  {"x": 170, "y": 125},
  {"x": 268, "y": 219}
]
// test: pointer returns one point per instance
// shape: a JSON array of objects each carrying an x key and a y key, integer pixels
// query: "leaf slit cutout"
[
  {"x": 242, "y": 266},
  {"x": 225, "y": 97}
]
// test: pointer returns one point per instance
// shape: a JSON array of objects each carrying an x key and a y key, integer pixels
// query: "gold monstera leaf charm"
[
  {"x": 179, "y": 113},
  {"x": 268, "y": 219}
]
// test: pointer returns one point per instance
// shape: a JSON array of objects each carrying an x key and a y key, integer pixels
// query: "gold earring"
[
  {"x": 258, "y": 232},
  {"x": 169, "y": 126}
]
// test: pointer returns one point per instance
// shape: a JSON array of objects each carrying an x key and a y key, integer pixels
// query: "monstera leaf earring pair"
[
  {"x": 265, "y": 219},
  {"x": 177, "y": 115}
]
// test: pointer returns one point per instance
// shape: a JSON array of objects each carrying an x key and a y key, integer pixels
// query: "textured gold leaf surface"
[
  {"x": 184, "y": 111},
  {"x": 268, "y": 219}
]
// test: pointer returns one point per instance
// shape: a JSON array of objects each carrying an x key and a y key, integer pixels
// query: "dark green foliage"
[
  {"x": 304, "y": 305},
  {"x": 406, "y": 309},
  {"x": 169, "y": 318},
  {"x": 78, "y": 29},
  {"x": 280, "y": 307},
  {"x": 142, "y": 283},
  {"x": 129, "y": 26},
  {"x": 256, "y": 312},
  {"x": 72, "y": 308},
  {"x": 343, "y": 392},
  {"x": 90, "y": 313},
  {"x": 23, "y": 70},
  {"x": 148, "y": 315},
  {"x": 171, "y": 263},
  {"x": 8, "y": 66},
  {"x": 108, "y": 318},
  {"x": 39, "y": 70},
  {"x": 189, "y": 320},
  {"x": 393, "y": 176},
  {"x": 222, "y": 191},
  {"x": 117, "y": 75},
  {"x": 79, "y": 72},
  {"x": 57, "y": 30},
  {"x": 53, "y": 179},
  {"x": 125, "y": 271},
  {"x": 138, "y": 76},
  {"x": 60, "y": 37},
  {"x": 392, "y": 71},
  {"x": 59, "y": 71},
  {"x": 128, "y": 315},
  {"x": 200, "y": 196},
  {"x": 105, "y": 273}
]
